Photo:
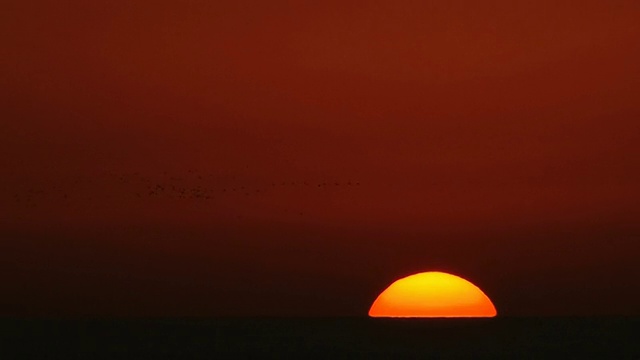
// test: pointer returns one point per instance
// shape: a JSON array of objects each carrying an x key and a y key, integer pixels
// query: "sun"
[{"x": 432, "y": 294}]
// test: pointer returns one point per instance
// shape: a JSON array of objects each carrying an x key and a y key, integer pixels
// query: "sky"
[{"x": 286, "y": 158}]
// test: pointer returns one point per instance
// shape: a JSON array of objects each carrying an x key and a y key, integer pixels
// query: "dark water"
[{"x": 516, "y": 338}]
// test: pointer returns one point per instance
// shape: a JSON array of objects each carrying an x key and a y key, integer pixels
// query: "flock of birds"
[{"x": 193, "y": 185}]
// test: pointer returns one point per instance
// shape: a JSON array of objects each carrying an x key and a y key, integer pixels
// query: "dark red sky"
[{"x": 496, "y": 140}]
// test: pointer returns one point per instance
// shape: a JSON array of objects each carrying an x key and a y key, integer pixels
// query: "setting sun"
[{"x": 432, "y": 294}]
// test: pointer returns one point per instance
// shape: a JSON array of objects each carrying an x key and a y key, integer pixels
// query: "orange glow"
[{"x": 432, "y": 294}]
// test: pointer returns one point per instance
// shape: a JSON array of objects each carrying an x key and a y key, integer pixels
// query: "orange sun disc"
[{"x": 432, "y": 294}]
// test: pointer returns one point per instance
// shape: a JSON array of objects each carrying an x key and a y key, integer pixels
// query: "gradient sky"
[{"x": 325, "y": 149}]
